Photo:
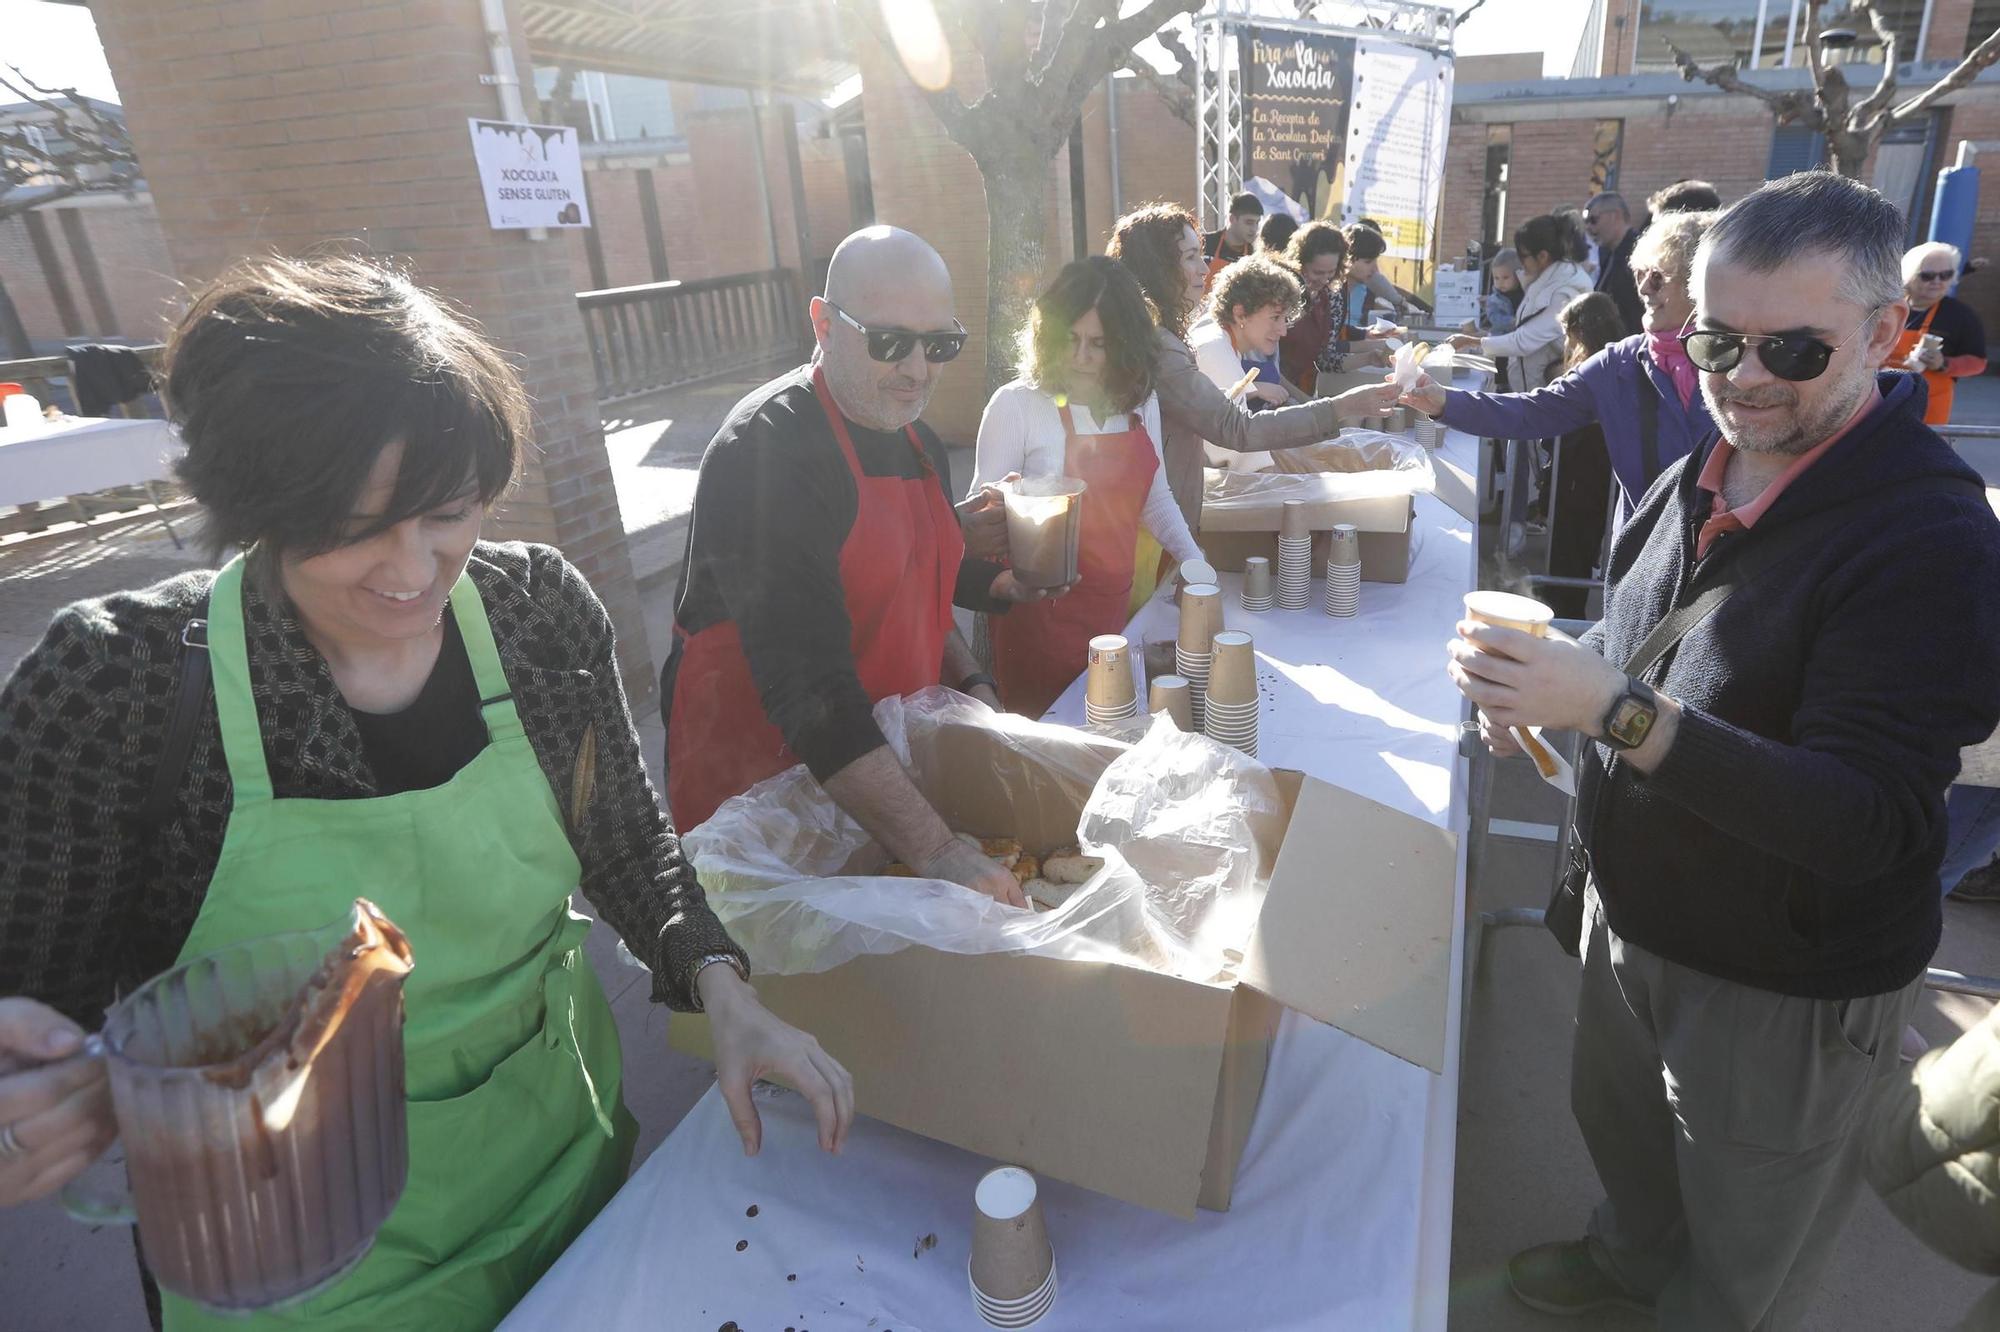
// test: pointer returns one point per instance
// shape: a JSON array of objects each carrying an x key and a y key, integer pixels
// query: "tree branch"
[
  {"x": 1982, "y": 56},
  {"x": 945, "y": 104},
  {"x": 1058, "y": 63},
  {"x": 1113, "y": 42},
  {"x": 1867, "y": 113},
  {"x": 1789, "y": 106},
  {"x": 1177, "y": 93}
]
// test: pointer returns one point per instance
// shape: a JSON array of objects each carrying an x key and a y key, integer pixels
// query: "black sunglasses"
[
  {"x": 1792, "y": 356},
  {"x": 1936, "y": 277},
  {"x": 890, "y": 345}
]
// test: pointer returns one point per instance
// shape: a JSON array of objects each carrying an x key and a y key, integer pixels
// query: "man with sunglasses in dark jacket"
[
  {"x": 1764, "y": 807},
  {"x": 824, "y": 557}
]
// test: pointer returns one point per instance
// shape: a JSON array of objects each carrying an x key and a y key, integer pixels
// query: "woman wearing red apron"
[
  {"x": 1084, "y": 407},
  {"x": 1960, "y": 346}
]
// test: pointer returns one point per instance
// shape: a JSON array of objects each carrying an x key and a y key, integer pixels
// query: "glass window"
[
  {"x": 1606, "y": 143},
  {"x": 1718, "y": 31}
]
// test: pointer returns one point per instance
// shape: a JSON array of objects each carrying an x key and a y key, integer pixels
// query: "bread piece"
[
  {"x": 1071, "y": 867},
  {"x": 1026, "y": 868},
  {"x": 1046, "y": 896},
  {"x": 896, "y": 869},
  {"x": 1006, "y": 850}
]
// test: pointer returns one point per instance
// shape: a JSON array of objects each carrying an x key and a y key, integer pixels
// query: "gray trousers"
[{"x": 1720, "y": 1119}]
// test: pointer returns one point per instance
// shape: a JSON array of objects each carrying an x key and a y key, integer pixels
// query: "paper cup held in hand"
[
  {"x": 1232, "y": 674},
  {"x": 1172, "y": 695},
  {"x": 1011, "y": 1257},
  {"x": 1044, "y": 525},
  {"x": 1506, "y": 610},
  {"x": 1201, "y": 617},
  {"x": 1108, "y": 684},
  {"x": 1293, "y": 520}
]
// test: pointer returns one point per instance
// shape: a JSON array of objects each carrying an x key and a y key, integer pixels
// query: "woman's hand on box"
[
  {"x": 753, "y": 1043},
  {"x": 55, "y": 1102}
]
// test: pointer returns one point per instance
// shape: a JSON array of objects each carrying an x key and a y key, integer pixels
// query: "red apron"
[
  {"x": 1041, "y": 646},
  {"x": 1938, "y": 410},
  {"x": 898, "y": 569}
]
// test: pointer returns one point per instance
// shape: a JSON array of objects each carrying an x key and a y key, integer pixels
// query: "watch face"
[{"x": 1631, "y": 722}]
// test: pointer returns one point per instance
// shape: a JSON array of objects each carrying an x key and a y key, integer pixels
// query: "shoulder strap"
[
  {"x": 1649, "y": 426},
  {"x": 181, "y": 724},
  {"x": 1760, "y": 555}
]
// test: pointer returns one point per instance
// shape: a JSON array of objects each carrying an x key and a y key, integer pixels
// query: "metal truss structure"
[{"x": 1219, "y": 75}]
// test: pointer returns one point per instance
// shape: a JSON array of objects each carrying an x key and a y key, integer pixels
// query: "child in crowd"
[{"x": 1505, "y": 297}]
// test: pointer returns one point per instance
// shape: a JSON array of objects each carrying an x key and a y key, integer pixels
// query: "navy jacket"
[
  {"x": 1604, "y": 390},
  {"x": 1791, "y": 838}
]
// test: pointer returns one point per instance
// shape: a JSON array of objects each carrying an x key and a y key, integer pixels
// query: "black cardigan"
[
  {"x": 94, "y": 900},
  {"x": 1792, "y": 836}
]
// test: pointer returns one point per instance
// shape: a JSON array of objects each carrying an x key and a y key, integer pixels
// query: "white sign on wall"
[{"x": 532, "y": 174}]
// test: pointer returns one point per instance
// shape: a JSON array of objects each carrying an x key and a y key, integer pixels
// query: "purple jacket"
[{"x": 1605, "y": 390}]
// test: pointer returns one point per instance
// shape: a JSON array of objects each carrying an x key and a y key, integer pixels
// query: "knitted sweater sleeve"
[
  {"x": 633, "y": 869},
  {"x": 73, "y": 865}
]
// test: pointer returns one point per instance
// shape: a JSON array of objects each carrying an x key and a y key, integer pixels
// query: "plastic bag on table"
[
  {"x": 789, "y": 874},
  {"x": 1353, "y": 451},
  {"x": 1411, "y": 473}
]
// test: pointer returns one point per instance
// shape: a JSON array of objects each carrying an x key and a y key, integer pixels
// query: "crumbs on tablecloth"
[
  {"x": 741, "y": 1245},
  {"x": 927, "y": 1242},
  {"x": 791, "y": 1276},
  {"x": 753, "y": 1210}
]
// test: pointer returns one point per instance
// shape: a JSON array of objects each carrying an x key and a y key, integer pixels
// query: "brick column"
[
  {"x": 1951, "y": 32},
  {"x": 287, "y": 125}
]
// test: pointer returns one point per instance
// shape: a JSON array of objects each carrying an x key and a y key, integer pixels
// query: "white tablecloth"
[
  {"x": 78, "y": 457},
  {"x": 1342, "y": 1213}
]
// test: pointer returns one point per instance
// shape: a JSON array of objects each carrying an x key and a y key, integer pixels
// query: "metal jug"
[{"x": 259, "y": 1098}]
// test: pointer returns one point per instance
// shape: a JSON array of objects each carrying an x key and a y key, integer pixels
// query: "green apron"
[{"x": 518, "y": 1134}]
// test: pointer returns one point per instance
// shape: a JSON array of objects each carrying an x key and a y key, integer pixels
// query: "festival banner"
[{"x": 1295, "y": 114}]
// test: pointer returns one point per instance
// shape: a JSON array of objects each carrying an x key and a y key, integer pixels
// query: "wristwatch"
[
  {"x": 711, "y": 959},
  {"x": 1631, "y": 716}
]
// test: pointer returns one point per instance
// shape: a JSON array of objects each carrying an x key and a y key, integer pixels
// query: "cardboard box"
[
  {"x": 1231, "y": 535},
  {"x": 1138, "y": 1085}
]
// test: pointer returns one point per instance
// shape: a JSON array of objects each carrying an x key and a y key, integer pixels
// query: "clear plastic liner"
[
  {"x": 1187, "y": 829},
  {"x": 1403, "y": 467}
]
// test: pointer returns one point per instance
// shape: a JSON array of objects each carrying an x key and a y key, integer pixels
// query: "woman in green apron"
[{"x": 397, "y": 709}]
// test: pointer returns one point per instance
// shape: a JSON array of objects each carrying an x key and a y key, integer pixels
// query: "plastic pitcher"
[{"x": 259, "y": 1098}]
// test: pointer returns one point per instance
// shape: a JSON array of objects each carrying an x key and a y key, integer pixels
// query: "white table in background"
[
  {"x": 79, "y": 456},
  {"x": 1342, "y": 1213}
]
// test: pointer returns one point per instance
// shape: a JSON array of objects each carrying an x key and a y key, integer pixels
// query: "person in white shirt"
[
  {"x": 1084, "y": 407},
  {"x": 1551, "y": 248}
]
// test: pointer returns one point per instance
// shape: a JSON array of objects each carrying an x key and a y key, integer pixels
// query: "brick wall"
[
  {"x": 293, "y": 124},
  {"x": 124, "y": 236},
  {"x": 1155, "y": 156},
  {"x": 1951, "y": 26}
]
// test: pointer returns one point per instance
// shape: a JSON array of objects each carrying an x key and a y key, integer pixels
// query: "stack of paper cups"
[
  {"x": 1170, "y": 694},
  {"x": 1231, "y": 717},
  {"x": 1294, "y": 557},
  {"x": 1201, "y": 619},
  {"x": 1257, "y": 584},
  {"x": 1343, "y": 571},
  {"x": 1109, "y": 694},
  {"x": 1012, "y": 1271}
]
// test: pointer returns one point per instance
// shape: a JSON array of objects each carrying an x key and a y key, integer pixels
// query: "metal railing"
[{"x": 666, "y": 334}]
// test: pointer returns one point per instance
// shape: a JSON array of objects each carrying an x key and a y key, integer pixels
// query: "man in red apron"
[{"x": 824, "y": 557}]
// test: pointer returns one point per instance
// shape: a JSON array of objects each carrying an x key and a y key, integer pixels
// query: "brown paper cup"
[
  {"x": 1201, "y": 616},
  {"x": 1344, "y": 545},
  {"x": 1508, "y": 611},
  {"x": 1011, "y": 1256},
  {"x": 1232, "y": 676},
  {"x": 1172, "y": 695},
  {"x": 1257, "y": 584},
  {"x": 1292, "y": 520},
  {"x": 1108, "y": 682}
]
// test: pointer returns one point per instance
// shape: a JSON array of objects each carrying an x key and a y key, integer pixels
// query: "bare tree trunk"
[
  {"x": 1848, "y": 152},
  {"x": 1016, "y": 255}
]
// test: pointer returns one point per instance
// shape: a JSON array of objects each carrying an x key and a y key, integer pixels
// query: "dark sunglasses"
[
  {"x": 1936, "y": 277},
  {"x": 1792, "y": 356},
  {"x": 890, "y": 345}
]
